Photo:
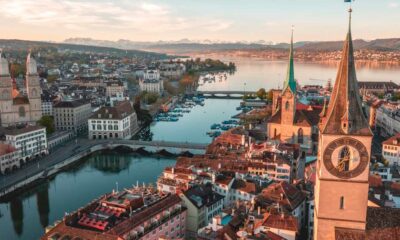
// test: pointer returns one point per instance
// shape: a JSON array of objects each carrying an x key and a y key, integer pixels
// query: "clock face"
[
  {"x": 288, "y": 94},
  {"x": 346, "y": 158}
]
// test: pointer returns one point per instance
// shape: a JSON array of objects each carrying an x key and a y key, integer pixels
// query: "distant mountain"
[
  {"x": 186, "y": 46},
  {"x": 24, "y": 45}
]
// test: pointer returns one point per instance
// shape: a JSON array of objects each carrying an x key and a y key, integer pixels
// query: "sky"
[{"x": 216, "y": 20}]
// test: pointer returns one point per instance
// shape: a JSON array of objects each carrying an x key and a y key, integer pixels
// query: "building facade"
[
  {"x": 72, "y": 115},
  {"x": 16, "y": 108},
  {"x": 29, "y": 141},
  {"x": 151, "y": 82},
  {"x": 9, "y": 158},
  {"x": 391, "y": 150},
  {"x": 119, "y": 122}
]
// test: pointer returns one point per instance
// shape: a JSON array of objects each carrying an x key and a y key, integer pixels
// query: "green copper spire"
[{"x": 290, "y": 82}]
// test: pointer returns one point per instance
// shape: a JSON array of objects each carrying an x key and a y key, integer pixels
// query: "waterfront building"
[
  {"x": 72, "y": 115},
  {"x": 151, "y": 82},
  {"x": 9, "y": 158},
  {"x": 293, "y": 122},
  {"x": 59, "y": 137},
  {"x": 387, "y": 121},
  {"x": 203, "y": 204},
  {"x": 138, "y": 213},
  {"x": 29, "y": 141},
  {"x": 173, "y": 70},
  {"x": 119, "y": 122},
  {"x": 341, "y": 189},
  {"x": 391, "y": 150},
  {"x": 175, "y": 180},
  {"x": 378, "y": 88},
  {"x": 16, "y": 108}
]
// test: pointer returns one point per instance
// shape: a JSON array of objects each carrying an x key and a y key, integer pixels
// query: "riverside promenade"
[{"x": 73, "y": 151}]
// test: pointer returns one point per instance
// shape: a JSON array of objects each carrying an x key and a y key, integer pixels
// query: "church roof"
[
  {"x": 290, "y": 81},
  {"x": 344, "y": 114},
  {"x": 306, "y": 118}
]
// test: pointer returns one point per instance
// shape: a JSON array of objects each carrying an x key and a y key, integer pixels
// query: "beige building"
[
  {"x": 14, "y": 107},
  {"x": 391, "y": 150},
  {"x": 119, "y": 122},
  {"x": 72, "y": 115},
  {"x": 289, "y": 123},
  {"x": 114, "y": 88}
]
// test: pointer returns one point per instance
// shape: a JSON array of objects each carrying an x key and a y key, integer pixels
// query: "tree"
[
  {"x": 261, "y": 93},
  {"x": 17, "y": 69},
  {"x": 48, "y": 122},
  {"x": 270, "y": 95}
]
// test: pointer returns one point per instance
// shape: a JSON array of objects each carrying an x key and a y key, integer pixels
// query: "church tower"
[
  {"x": 6, "y": 87},
  {"x": 288, "y": 105},
  {"x": 33, "y": 89},
  {"x": 341, "y": 189}
]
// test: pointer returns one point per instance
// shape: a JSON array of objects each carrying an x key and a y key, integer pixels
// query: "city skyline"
[{"x": 155, "y": 20}]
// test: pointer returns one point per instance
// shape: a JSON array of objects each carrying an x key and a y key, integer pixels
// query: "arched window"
[
  {"x": 300, "y": 136},
  {"x": 21, "y": 111},
  {"x": 344, "y": 159},
  {"x": 287, "y": 104},
  {"x": 274, "y": 132}
]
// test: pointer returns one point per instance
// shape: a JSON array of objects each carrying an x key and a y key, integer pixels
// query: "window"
[
  {"x": 341, "y": 202},
  {"x": 21, "y": 111},
  {"x": 300, "y": 136},
  {"x": 287, "y": 105}
]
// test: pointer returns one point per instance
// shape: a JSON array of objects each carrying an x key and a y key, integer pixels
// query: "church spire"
[
  {"x": 345, "y": 114},
  {"x": 4, "y": 70},
  {"x": 290, "y": 81}
]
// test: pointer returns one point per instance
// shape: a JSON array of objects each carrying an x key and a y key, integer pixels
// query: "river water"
[{"x": 27, "y": 214}]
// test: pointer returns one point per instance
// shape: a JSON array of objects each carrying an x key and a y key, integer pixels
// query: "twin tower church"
[
  {"x": 340, "y": 135},
  {"x": 15, "y": 107}
]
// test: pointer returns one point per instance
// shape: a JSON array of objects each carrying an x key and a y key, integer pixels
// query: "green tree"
[
  {"x": 48, "y": 122},
  {"x": 261, "y": 93}
]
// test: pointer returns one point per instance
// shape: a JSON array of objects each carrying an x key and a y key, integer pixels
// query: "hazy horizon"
[{"x": 173, "y": 20}]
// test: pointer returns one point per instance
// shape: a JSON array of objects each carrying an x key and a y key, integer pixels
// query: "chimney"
[
  {"x": 259, "y": 211},
  {"x": 173, "y": 170},
  {"x": 213, "y": 177},
  {"x": 219, "y": 165}
]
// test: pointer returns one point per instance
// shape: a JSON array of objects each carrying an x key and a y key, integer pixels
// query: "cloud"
[
  {"x": 394, "y": 5},
  {"x": 143, "y": 16}
]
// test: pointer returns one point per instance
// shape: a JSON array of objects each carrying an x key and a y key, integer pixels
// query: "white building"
[
  {"x": 9, "y": 158},
  {"x": 388, "y": 119},
  {"x": 119, "y": 122},
  {"x": 115, "y": 88},
  {"x": 151, "y": 82},
  {"x": 29, "y": 141},
  {"x": 172, "y": 69},
  {"x": 391, "y": 150}
]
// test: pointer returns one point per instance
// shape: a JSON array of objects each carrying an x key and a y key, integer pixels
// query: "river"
[{"x": 27, "y": 214}]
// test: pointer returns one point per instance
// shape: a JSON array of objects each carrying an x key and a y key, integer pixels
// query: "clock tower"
[{"x": 341, "y": 188}]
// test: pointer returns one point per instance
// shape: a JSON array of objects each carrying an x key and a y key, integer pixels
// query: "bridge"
[
  {"x": 151, "y": 146},
  {"x": 224, "y": 94}
]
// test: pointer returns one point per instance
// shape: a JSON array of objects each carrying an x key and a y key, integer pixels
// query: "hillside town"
[{"x": 299, "y": 162}]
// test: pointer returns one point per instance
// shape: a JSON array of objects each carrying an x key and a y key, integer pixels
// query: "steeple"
[
  {"x": 31, "y": 66},
  {"x": 4, "y": 70},
  {"x": 344, "y": 114},
  {"x": 290, "y": 81}
]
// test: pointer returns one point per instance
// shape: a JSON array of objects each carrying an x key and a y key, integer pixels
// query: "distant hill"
[
  {"x": 24, "y": 45},
  {"x": 186, "y": 46}
]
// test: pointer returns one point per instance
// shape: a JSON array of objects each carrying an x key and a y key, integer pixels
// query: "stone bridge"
[
  {"x": 151, "y": 146},
  {"x": 224, "y": 94}
]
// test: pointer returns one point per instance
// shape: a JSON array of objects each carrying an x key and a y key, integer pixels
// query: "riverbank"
[{"x": 64, "y": 157}]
